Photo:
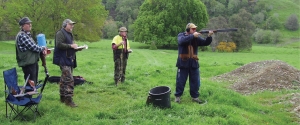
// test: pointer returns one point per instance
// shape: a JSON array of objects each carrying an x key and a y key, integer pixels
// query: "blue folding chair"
[{"x": 15, "y": 99}]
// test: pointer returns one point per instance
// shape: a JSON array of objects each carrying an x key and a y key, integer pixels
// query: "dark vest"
[
  {"x": 187, "y": 55},
  {"x": 65, "y": 57},
  {"x": 28, "y": 57}
]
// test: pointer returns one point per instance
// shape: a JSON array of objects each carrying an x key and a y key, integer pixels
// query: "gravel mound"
[{"x": 273, "y": 75}]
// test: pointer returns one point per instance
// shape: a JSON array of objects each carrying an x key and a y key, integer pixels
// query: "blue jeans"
[{"x": 194, "y": 81}]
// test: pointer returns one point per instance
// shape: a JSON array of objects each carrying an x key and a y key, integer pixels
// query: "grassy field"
[{"x": 105, "y": 104}]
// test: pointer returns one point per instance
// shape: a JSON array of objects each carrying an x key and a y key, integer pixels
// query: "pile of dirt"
[
  {"x": 266, "y": 75},
  {"x": 270, "y": 75}
]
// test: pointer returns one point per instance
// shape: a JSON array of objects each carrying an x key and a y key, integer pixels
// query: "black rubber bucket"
[{"x": 160, "y": 97}]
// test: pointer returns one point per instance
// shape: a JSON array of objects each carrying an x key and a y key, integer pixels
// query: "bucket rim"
[{"x": 169, "y": 89}]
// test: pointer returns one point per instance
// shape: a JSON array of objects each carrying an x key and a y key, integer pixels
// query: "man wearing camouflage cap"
[
  {"x": 121, "y": 50},
  {"x": 187, "y": 61},
  {"x": 27, "y": 51},
  {"x": 65, "y": 57}
]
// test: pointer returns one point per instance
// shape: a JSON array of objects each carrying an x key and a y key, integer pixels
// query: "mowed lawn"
[{"x": 103, "y": 103}]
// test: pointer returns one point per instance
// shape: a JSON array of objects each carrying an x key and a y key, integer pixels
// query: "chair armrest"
[
  {"x": 20, "y": 95},
  {"x": 32, "y": 93},
  {"x": 27, "y": 93}
]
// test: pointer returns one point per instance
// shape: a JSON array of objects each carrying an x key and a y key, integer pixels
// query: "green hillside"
[{"x": 285, "y": 8}]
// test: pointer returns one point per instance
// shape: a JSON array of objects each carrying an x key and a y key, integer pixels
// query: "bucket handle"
[{"x": 148, "y": 100}]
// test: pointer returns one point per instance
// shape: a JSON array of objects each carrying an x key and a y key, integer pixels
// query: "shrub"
[
  {"x": 258, "y": 18},
  {"x": 266, "y": 36},
  {"x": 203, "y": 48},
  {"x": 292, "y": 23},
  {"x": 153, "y": 46},
  {"x": 258, "y": 35},
  {"x": 275, "y": 36},
  {"x": 226, "y": 47},
  {"x": 273, "y": 22}
]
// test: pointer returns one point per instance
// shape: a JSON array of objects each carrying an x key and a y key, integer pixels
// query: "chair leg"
[
  {"x": 16, "y": 111},
  {"x": 37, "y": 111},
  {"x": 6, "y": 108},
  {"x": 20, "y": 114}
]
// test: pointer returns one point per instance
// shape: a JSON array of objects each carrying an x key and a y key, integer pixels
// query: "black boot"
[
  {"x": 62, "y": 99},
  {"x": 69, "y": 102}
]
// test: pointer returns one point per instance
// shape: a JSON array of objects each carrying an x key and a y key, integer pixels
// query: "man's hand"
[
  {"x": 45, "y": 51},
  {"x": 74, "y": 46},
  {"x": 210, "y": 33},
  {"x": 122, "y": 43},
  {"x": 196, "y": 34}
]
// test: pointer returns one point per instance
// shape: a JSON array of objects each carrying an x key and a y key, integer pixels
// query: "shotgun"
[
  {"x": 43, "y": 59},
  {"x": 219, "y": 30}
]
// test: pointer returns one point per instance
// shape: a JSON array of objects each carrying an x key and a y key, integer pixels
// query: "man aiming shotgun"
[{"x": 187, "y": 61}]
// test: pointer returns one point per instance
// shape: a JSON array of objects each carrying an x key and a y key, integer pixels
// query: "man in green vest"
[{"x": 27, "y": 51}]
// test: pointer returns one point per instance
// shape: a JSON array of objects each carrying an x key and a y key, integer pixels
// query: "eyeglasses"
[{"x": 193, "y": 28}]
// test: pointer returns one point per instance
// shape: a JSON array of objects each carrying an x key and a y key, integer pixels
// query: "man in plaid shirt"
[{"x": 27, "y": 51}]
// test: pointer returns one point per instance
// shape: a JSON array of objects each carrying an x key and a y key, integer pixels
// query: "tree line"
[
  {"x": 149, "y": 21},
  {"x": 47, "y": 17}
]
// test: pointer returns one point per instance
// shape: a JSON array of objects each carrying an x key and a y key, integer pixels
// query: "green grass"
[{"x": 103, "y": 103}]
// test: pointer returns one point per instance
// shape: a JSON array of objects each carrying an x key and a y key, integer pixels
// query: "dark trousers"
[
  {"x": 33, "y": 70},
  {"x": 194, "y": 81}
]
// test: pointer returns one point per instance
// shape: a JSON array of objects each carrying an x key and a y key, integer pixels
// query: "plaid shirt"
[{"x": 25, "y": 42}]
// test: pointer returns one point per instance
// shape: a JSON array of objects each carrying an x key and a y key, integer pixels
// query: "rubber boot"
[
  {"x": 69, "y": 102},
  {"x": 62, "y": 99},
  {"x": 117, "y": 82}
]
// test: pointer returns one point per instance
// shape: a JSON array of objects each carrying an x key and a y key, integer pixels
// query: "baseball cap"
[
  {"x": 190, "y": 25},
  {"x": 68, "y": 21},
  {"x": 24, "y": 20},
  {"x": 123, "y": 29}
]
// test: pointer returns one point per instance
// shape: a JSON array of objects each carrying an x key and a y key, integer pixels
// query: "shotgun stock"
[
  {"x": 219, "y": 30},
  {"x": 43, "y": 59}
]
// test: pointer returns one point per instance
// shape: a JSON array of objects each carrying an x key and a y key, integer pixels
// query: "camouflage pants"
[
  {"x": 66, "y": 82},
  {"x": 120, "y": 68}
]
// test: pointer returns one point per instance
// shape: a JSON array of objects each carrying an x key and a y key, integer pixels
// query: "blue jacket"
[{"x": 187, "y": 42}]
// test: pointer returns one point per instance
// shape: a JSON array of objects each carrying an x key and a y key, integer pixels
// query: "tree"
[
  {"x": 110, "y": 29},
  {"x": 235, "y": 5},
  {"x": 273, "y": 22},
  {"x": 48, "y": 15},
  {"x": 258, "y": 18},
  {"x": 242, "y": 21},
  {"x": 292, "y": 22},
  {"x": 161, "y": 21},
  {"x": 219, "y": 22}
]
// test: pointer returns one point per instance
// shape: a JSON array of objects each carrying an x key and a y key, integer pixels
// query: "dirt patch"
[
  {"x": 294, "y": 99},
  {"x": 270, "y": 75}
]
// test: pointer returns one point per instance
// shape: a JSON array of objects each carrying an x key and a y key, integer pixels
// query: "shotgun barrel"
[{"x": 219, "y": 30}]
